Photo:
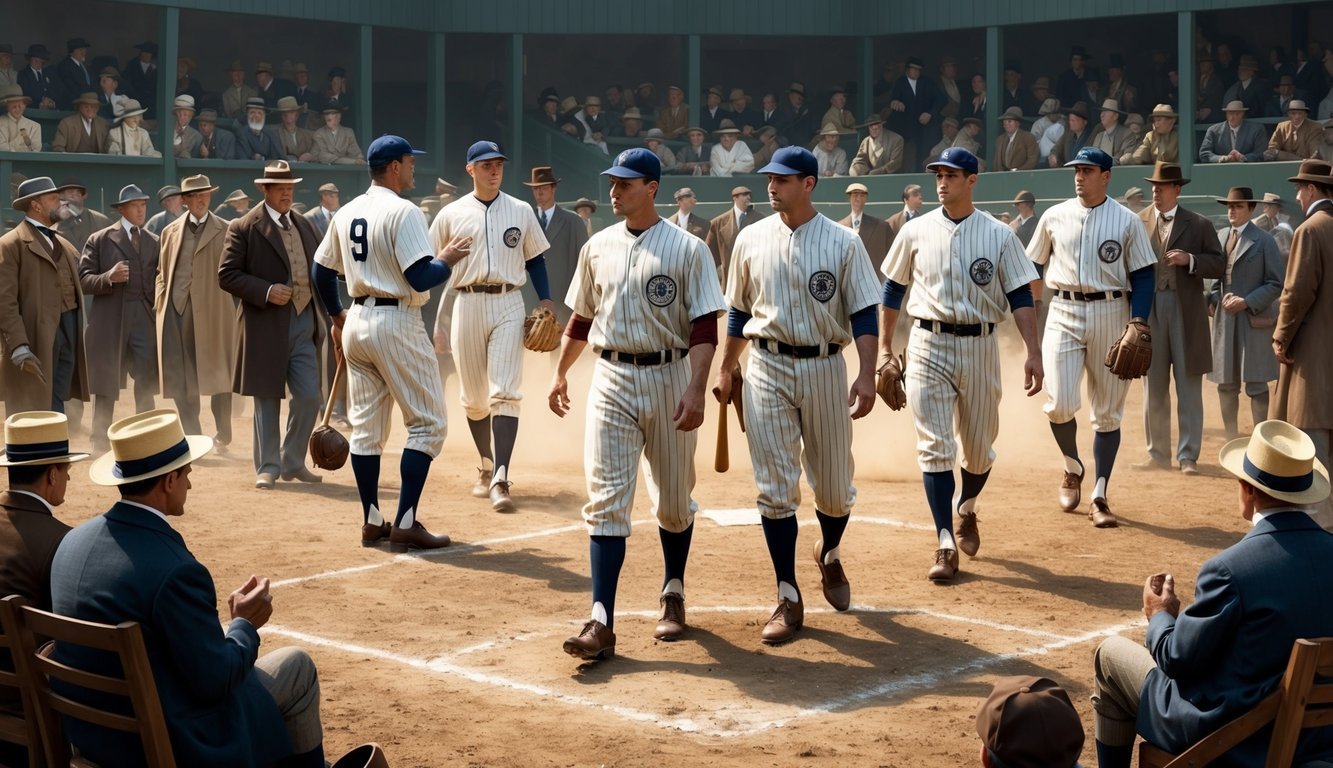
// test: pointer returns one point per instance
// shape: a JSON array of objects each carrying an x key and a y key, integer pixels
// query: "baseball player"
[
  {"x": 652, "y": 319},
  {"x": 486, "y": 335},
  {"x": 967, "y": 268},
  {"x": 379, "y": 244},
  {"x": 801, "y": 287},
  {"x": 1098, "y": 274}
]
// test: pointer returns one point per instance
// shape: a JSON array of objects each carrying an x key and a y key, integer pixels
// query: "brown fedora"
[
  {"x": 1314, "y": 172},
  {"x": 1238, "y": 195},
  {"x": 1167, "y": 173},
  {"x": 1013, "y": 113},
  {"x": 541, "y": 176},
  {"x": 1079, "y": 108},
  {"x": 278, "y": 172}
]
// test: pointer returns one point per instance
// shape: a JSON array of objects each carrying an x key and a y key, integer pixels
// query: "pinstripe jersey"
[
  {"x": 1090, "y": 249},
  {"x": 960, "y": 272},
  {"x": 800, "y": 287},
  {"x": 504, "y": 235},
  {"x": 371, "y": 240},
  {"x": 643, "y": 292}
]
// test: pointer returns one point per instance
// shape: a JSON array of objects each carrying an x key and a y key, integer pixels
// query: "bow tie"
[{"x": 1167, "y": 219}]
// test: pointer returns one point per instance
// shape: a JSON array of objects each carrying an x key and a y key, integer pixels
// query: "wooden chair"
[
  {"x": 1299, "y": 702},
  {"x": 126, "y": 641},
  {"x": 22, "y": 731}
]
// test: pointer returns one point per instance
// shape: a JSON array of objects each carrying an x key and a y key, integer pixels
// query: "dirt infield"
[{"x": 454, "y": 658}]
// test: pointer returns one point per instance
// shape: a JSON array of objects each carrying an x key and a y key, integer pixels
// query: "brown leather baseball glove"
[
  {"x": 889, "y": 384},
  {"x": 328, "y": 448},
  {"x": 541, "y": 331},
  {"x": 1131, "y": 354}
]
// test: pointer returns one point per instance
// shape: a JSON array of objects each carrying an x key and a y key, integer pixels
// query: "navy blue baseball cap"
[
  {"x": 792, "y": 161},
  {"x": 955, "y": 157},
  {"x": 1092, "y": 156},
  {"x": 386, "y": 149},
  {"x": 637, "y": 163},
  {"x": 484, "y": 150}
]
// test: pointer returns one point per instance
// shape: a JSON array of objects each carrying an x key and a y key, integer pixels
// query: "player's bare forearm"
[
  {"x": 888, "y": 318},
  {"x": 690, "y": 410},
  {"x": 570, "y": 349},
  {"x": 1033, "y": 374},
  {"x": 728, "y": 372},
  {"x": 862, "y": 397},
  {"x": 558, "y": 398}
]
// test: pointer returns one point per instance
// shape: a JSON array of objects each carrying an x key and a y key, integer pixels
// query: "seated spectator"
[
  {"x": 837, "y": 113},
  {"x": 740, "y": 113},
  {"x": 1213, "y": 662},
  {"x": 335, "y": 143},
  {"x": 267, "y": 86},
  {"x": 73, "y": 73},
  {"x": 110, "y": 92},
  {"x": 39, "y": 83},
  {"x": 1092, "y": 86},
  {"x": 214, "y": 144},
  {"x": 1050, "y": 115},
  {"x": 730, "y": 155},
  {"x": 631, "y": 123},
  {"x": 1077, "y": 135},
  {"x": 186, "y": 85},
  {"x": 234, "y": 207},
  {"x": 1041, "y": 91},
  {"x": 8, "y": 75},
  {"x": 84, "y": 131},
  {"x": 975, "y": 104},
  {"x": 1281, "y": 101},
  {"x": 336, "y": 94},
  {"x": 596, "y": 127},
  {"x": 949, "y": 136},
  {"x": 710, "y": 119},
  {"x": 1208, "y": 97},
  {"x": 140, "y": 74},
  {"x": 1015, "y": 149},
  {"x": 238, "y": 93},
  {"x": 1113, "y": 138},
  {"x": 548, "y": 113},
  {"x": 253, "y": 142},
  {"x": 1161, "y": 144},
  {"x": 645, "y": 99},
  {"x": 1071, "y": 88},
  {"x": 1135, "y": 125},
  {"x": 1296, "y": 138},
  {"x": 674, "y": 118},
  {"x": 184, "y": 139},
  {"x": 880, "y": 152},
  {"x": 1325, "y": 149},
  {"x": 795, "y": 121},
  {"x": 831, "y": 157},
  {"x": 306, "y": 96},
  {"x": 768, "y": 144},
  {"x": 694, "y": 158},
  {"x": 1311, "y": 83},
  {"x": 223, "y": 703},
  {"x": 295, "y": 142},
  {"x": 169, "y": 197},
  {"x": 1126, "y": 95},
  {"x": 18, "y": 133},
  {"x": 1249, "y": 89},
  {"x": 1133, "y": 199},
  {"x": 1029, "y": 722},
  {"x": 768, "y": 111},
  {"x": 128, "y": 137},
  {"x": 969, "y": 138},
  {"x": 1013, "y": 94},
  {"x": 612, "y": 104},
  {"x": 947, "y": 85},
  {"x": 569, "y": 124},
  {"x": 1233, "y": 141},
  {"x": 654, "y": 141}
]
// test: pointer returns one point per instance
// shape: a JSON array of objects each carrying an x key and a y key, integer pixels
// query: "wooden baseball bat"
[{"x": 722, "y": 458}]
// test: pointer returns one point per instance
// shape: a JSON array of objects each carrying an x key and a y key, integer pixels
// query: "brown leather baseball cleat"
[
  {"x": 372, "y": 535},
  {"x": 596, "y": 641},
  {"x": 945, "y": 567},
  {"x": 967, "y": 535},
  {"x": 416, "y": 537},
  {"x": 482, "y": 488},
  {"x": 500, "y": 500},
  {"x": 784, "y": 623},
  {"x": 1100, "y": 514},
  {"x": 672, "y": 626},
  {"x": 1071, "y": 492},
  {"x": 837, "y": 590}
]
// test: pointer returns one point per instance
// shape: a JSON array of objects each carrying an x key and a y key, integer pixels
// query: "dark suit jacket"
[
  {"x": 1251, "y": 141},
  {"x": 107, "y": 334},
  {"x": 896, "y": 222},
  {"x": 249, "y": 144},
  {"x": 1193, "y": 234},
  {"x": 751, "y": 117},
  {"x": 1255, "y": 97},
  {"x": 928, "y": 98},
  {"x": 1209, "y": 96},
  {"x": 221, "y": 146},
  {"x": 29, "y": 535},
  {"x": 143, "y": 84},
  {"x": 566, "y": 234},
  {"x": 1025, "y": 231},
  {"x": 130, "y": 565},
  {"x": 798, "y": 126},
  {"x": 722, "y": 233},
  {"x": 37, "y": 89},
  {"x": 711, "y": 123},
  {"x": 74, "y": 81},
  {"x": 1071, "y": 87},
  {"x": 696, "y": 225},
  {"x": 318, "y": 220},
  {"x": 254, "y": 259},
  {"x": 1229, "y": 649}
]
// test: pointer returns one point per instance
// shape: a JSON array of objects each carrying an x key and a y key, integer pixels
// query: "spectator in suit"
[
  {"x": 337, "y": 94},
  {"x": 645, "y": 99},
  {"x": 880, "y": 152},
  {"x": 306, "y": 96},
  {"x": 186, "y": 84},
  {"x": 1209, "y": 664},
  {"x": 741, "y": 115},
  {"x": 269, "y": 88},
  {"x": 948, "y": 86},
  {"x": 223, "y": 703},
  {"x": 75, "y": 78},
  {"x": 1028, "y": 722},
  {"x": 729, "y": 155},
  {"x": 1026, "y": 223},
  {"x": 693, "y": 159},
  {"x": 654, "y": 141},
  {"x": 722, "y": 230},
  {"x": 235, "y": 206},
  {"x": 1308, "y": 75},
  {"x": 837, "y": 113},
  {"x": 873, "y": 231},
  {"x": 1208, "y": 99},
  {"x": 950, "y": 133},
  {"x": 613, "y": 105},
  {"x": 40, "y": 85},
  {"x": 335, "y": 143},
  {"x": 1281, "y": 101},
  {"x": 631, "y": 123},
  {"x": 1041, "y": 91},
  {"x": 768, "y": 111},
  {"x": 1014, "y": 95},
  {"x": 169, "y": 197},
  {"x": 238, "y": 93},
  {"x": 797, "y": 122},
  {"x": 595, "y": 125},
  {"x": 914, "y": 112},
  {"x": 969, "y": 138},
  {"x": 253, "y": 142},
  {"x": 1296, "y": 138},
  {"x": 548, "y": 112},
  {"x": 294, "y": 142},
  {"x": 832, "y": 158},
  {"x": 75, "y": 220},
  {"x": 185, "y": 140},
  {"x": 1249, "y": 89},
  {"x": 883, "y": 87},
  {"x": 1092, "y": 85},
  {"x": 975, "y": 104},
  {"x": 1049, "y": 127},
  {"x": 674, "y": 118},
  {"x": 329, "y": 202},
  {"x": 140, "y": 75},
  {"x": 585, "y": 208},
  {"x": 684, "y": 216},
  {"x": 1226, "y": 64},
  {"x": 1077, "y": 135},
  {"x": 110, "y": 92},
  {"x": 564, "y": 231},
  {"x": 127, "y": 136},
  {"x": 1118, "y": 88},
  {"x": 768, "y": 144},
  {"x": 84, "y": 131},
  {"x": 1161, "y": 144},
  {"x": 912, "y": 203},
  {"x": 1071, "y": 87},
  {"x": 8, "y": 75},
  {"x": 214, "y": 144},
  {"x": 710, "y": 118},
  {"x": 1113, "y": 138},
  {"x": 1015, "y": 148},
  {"x": 1275, "y": 222},
  {"x": 1233, "y": 140}
]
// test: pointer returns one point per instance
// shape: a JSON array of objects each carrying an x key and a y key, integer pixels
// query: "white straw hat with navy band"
[
  {"x": 1278, "y": 459},
  {"x": 147, "y": 445},
  {"x": 37, "y": 437}
]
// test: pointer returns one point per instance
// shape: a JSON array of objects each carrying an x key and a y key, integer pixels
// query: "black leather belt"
[
  {"x": 781, "y": 348},
  {"x": 975, "y": 329},
  {"x": 645, "y": 358},
  {"x": 488, "y": 288},
  {"x": 1098, "y": 296},
  {"x": 378, "y": 301}
]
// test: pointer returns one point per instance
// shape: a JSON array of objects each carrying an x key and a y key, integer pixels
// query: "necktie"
[
  {"x": 282, "y": 222},
  {"x": 545, "y": 221},
  {"x": 134, "y": 238},
  {"x": 1231, "y": 252},
  {"x": 1233, "y": 140},
  {"x": 49, "y": 233},
  {"x": 741, "y": 220},
  {"x": 195, "y": 226}
]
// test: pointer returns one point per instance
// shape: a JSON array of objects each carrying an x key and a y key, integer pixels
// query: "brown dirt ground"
[{"x": 454, "y": 658}]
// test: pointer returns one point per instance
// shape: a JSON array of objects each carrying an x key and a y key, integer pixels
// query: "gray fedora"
[
  {"x": 128, "y": 194},
  {"x": 31, "y": 190}
]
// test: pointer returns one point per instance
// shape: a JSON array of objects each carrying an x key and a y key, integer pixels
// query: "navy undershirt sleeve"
[
  {"x": 1020, "y": 297},
  {"x": 326, "y": 285},
  {"x": 736, "y": 321},
  {"x": 426, "y": 273},
  {"x": 1143, "y": 283},
  {"x": 865, "y": 321},
  {"x": 893, "y": 294},
  {"x": 537, "y": 274}
]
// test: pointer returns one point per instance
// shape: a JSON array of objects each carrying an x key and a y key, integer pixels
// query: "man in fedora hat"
[
  {"x": 1305, "y": 312},
  {"x": 838, "y": 114},
  {"x": 596, "y": 126},
  {"x": 128, "y": 137},
  {"x": 710, "y": 117},
  {"x": 186, "y": 83},
  {"x": 40, "y": 85},
  {"x": 1297, "y": 137},
  {"x": 110, "y": 92},
  {"x": 1187, "y": 251},
  {"x": 796, "y": 123},
  {"x": 1208, "y": 664},
  {"x": 1275, "y": 222},
  {"x": 1161, "y": 144},
  {"x": 741, "y": 114},
  {"x": 169, "y": 197},
  {"x": 75, "y": 220},
  {"x": 631, "y": 123},
  {"x": 692, "y": 159},
  {"x": 1208, "y": 96},
  {"x": 253, "y": 141},
  {"x": 194, "y": 319},
  {"x": 880, "y": 152},
  {"x": 874, "y": 231},
  {"x": 1026, "y": 224},
  {"x": 674, "y": 118},
  {"x": 914, "y": 112},
  {"x": 119, "y": 267},
  {"x": 141, "y": 76},
  {"x": 295, "y": 142},
  {"x": 266, "y": 265},
  {"x": 1071, "y": 86},
  {"x": 233, "y": 207},
  {"x": 585, "y": 208},
  {"x": 832, "y": 159},
  {"x": 1029, "y": 722},
  {"x": 1280, "y": 101},
  {"x": 269, "y": 87},
  {"x": 1234, "y": 140},
  {"x": 684, "y": 217},
  {"x": 237, "y": 93},
  {"x": 564, "y": 231},
  {"x": 305, "y": 95},
  {"x": 723, "y": 229},
  {"x": 224, "y": 704},
  {"x": 214, "y": 144},
  {"x": 84, "y": 131},
  {"x": 655, "y": 140},
  {"x": 335, "y": 143},
  {"x": 1113, "y": 138},
  {"x": 1015, "y": 149},
  {"x": 75, "y": 78},
  {"x": 41, "y": 308},
  {"x": 1133, "y": 199},
  {"x": 1243, "y": 305},
  {"x": 1074, "y": 138},
  {"x": 18, "y": 133},
  {"x": 8, "y": 75},
  {"x": 730, "y": 155},
  {"x": 1249, "y": 89}
]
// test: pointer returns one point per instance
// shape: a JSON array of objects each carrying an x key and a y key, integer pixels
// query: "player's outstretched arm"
[
  {"x": 571, "y": 346},
  {"x": 689, "y": 413},
  {"x": 861, "y": 398}
]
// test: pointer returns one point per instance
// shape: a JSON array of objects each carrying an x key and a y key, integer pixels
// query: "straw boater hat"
[
  {"x": 1235, "y": 105},
  {"x": 726, "y": 127},
  {"x": 130, "y": 193},
  {"x": 1238, "y": 195},
  {"x": 584, "y": 202},
  {"x": 1163, "y": 110},
  {"x": 1279, "y": 460},
  {"x": 13, "y": 93},
  {"x": 198, "y": 183},
  {"x": 1167, "y": 173},
  {"x": 278, "y": 172},
  {"x": 1314, "y": 171},
  {"x": 31, "y": 190},
  {"x": 541, "y": 176},
  {"x": 145, "y": 446},
  {"x": 128, "y": 108},
  {"x": 37, "y": 437}
]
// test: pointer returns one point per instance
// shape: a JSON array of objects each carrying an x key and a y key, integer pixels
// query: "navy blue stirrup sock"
[
  {"x": 1105, "y": 446},
  {"x": 780, "y": 535},
  {"x": 607, "y": 555},
  {"x": 366, "y": 469},
  {"x": 831, "y": 529},
  {"x": 939, "y": 495},
  {"x": 414, "y": 467},
  {"x": 675, "y": 553},
  {"x": 972, "y": 485}
]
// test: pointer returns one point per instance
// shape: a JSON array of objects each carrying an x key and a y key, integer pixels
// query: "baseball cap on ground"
[
  {"x": 637, "y": 163},
  {"x": 1029, "y": 722},
  {"x": 955, "y": 157},
  {"x": 1091, "y": 156},
  {"x": 484, "y": 150},
  {"x": 792, "y": 161},
  {"x": 388, "y": 148}
]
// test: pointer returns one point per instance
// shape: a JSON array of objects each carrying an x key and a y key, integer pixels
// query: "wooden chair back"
[{"x": 18, "y": 729}]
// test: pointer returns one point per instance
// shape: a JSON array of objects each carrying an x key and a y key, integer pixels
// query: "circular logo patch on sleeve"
[
  {"x": 823, "y": 285},
  {"x": 1109, "y": 251},
  {"x": 661, "y": 290},
  {"x": 512, "y": 236},
  {"x": 982, "y": 271}
]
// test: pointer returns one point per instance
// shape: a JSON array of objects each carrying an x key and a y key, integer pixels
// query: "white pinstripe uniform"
[
  {"x": 961, "y": 274},
  {"x": 1087, "y": 250},
  {"x": 486, "y": 331},
  {"x": 370, "y": 241},
  {"x": 800, "y": 288},
  {"x": 642, "y": 294}
]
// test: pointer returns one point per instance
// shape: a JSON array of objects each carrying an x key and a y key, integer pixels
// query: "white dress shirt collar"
[
  {"x": 145, "y": 506},
  {"x": 44, "y": 502},
  {"x": 126, "y": 225}
]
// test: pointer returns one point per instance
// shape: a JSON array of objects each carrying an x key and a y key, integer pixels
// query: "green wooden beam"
[
  {"x": 865, "y": 61},
  {"x": 694, "y": 77},
  {"x": 1188, "y": 82},
  {"x": 515, "y": 106},
  {"x": 365, "y": 74},
  {"x": 995, "y": 85},
  {"x": 435, "y": 117},
  {"x": 170, "y": 30}
]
